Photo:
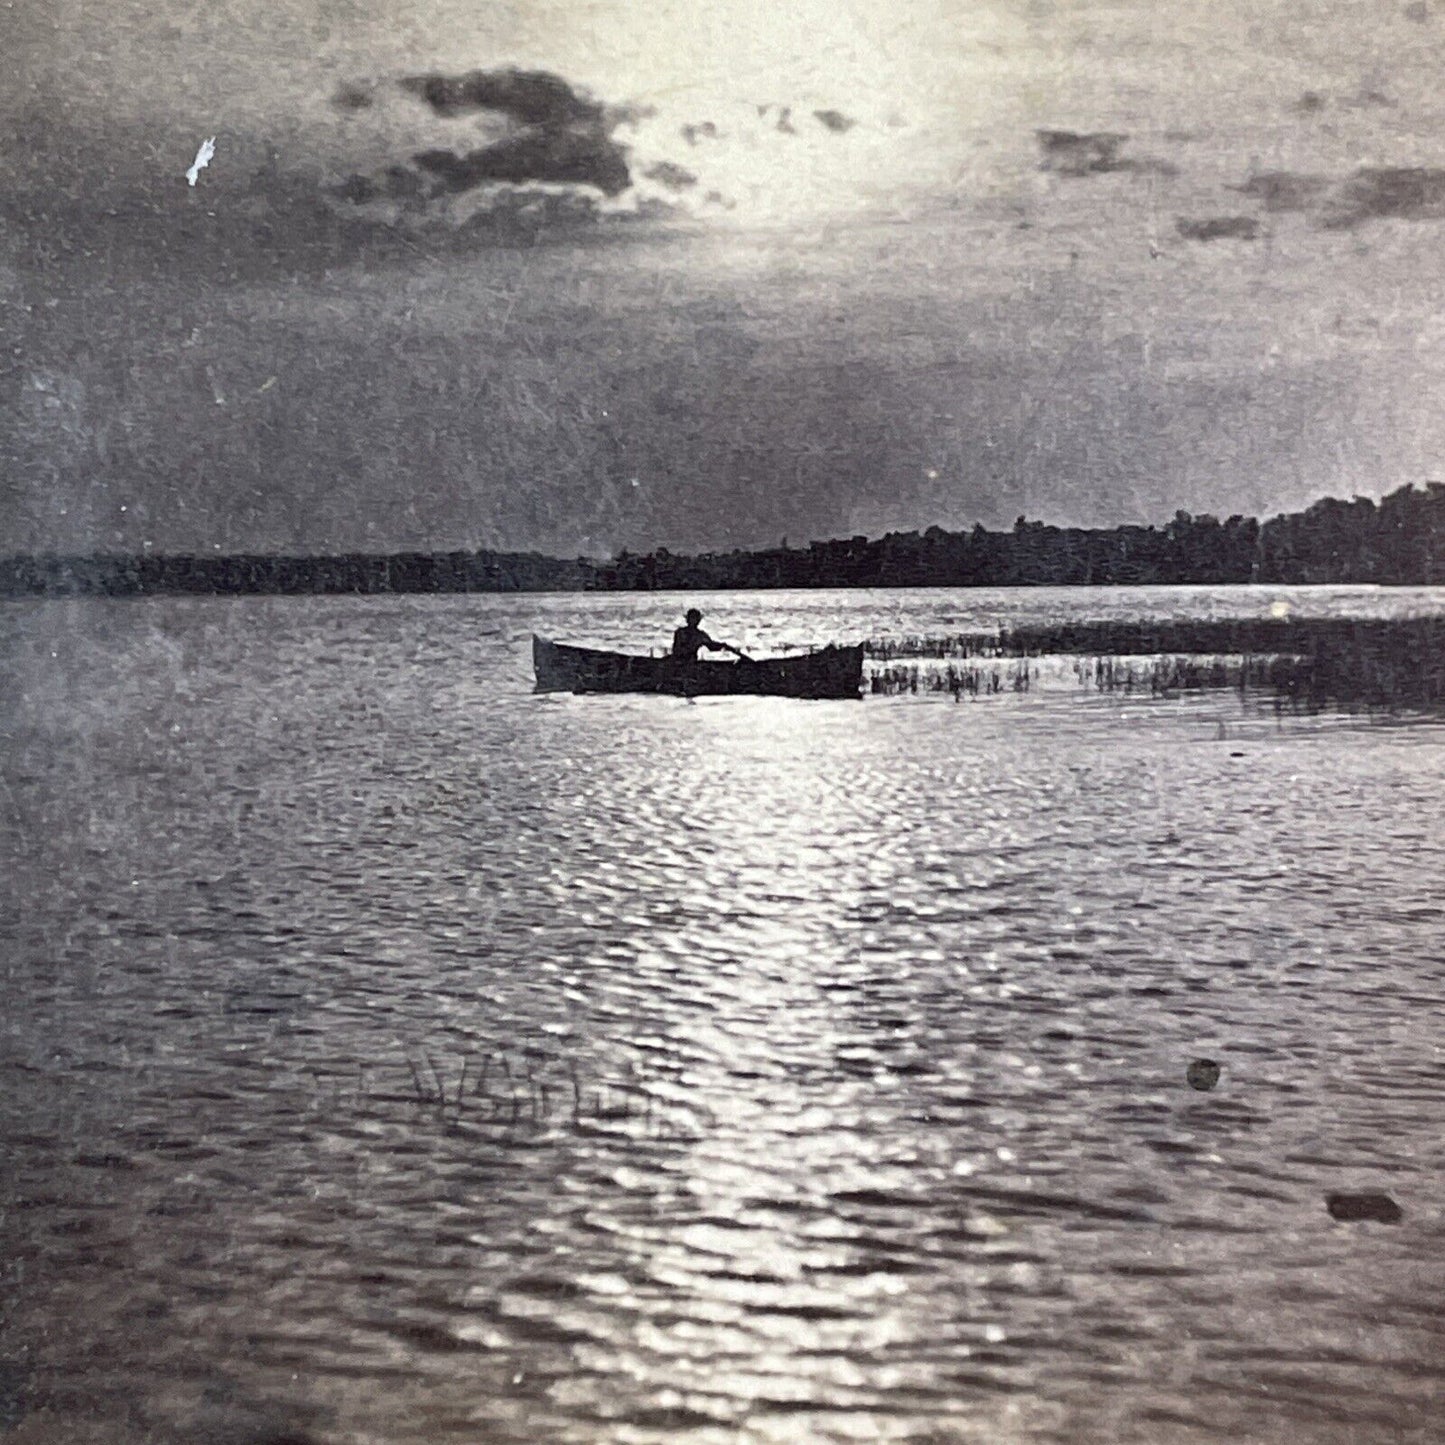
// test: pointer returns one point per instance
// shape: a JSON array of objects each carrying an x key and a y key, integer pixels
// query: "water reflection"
[{"x": 393, "y": 1055}]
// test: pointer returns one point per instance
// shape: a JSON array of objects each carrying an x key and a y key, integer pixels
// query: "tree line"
[{"x": 1398, "y": 540}]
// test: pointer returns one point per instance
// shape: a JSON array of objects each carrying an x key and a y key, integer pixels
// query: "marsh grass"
[
  {"x": 956, "y": 679},
  {"x": 1311, "y": 663},
  {"x": 924, "y": 645},
  {"x": 535, "y": 1090},
  {"x": 1236, "y": 637},
  {"x": 1168, "y": 676}
]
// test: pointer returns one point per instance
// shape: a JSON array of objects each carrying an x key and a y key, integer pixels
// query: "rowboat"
[{"x": 833, "y": 672}]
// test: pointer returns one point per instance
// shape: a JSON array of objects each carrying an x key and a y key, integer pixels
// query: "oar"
[{"x": 741, "y": 656}]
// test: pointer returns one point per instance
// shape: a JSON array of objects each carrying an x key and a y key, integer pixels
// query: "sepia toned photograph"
[{"x": 722, "y": 722}]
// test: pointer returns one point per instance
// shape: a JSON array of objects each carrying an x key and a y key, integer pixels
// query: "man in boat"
[{"x": 687, "y": 640}]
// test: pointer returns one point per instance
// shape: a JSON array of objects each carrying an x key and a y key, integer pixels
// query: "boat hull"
[{"x": 835, "y": 672}]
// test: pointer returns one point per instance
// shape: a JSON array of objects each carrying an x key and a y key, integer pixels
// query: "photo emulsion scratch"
[
  {"x": 204, "y": 155},
  {"x": 722, "y": 722}
]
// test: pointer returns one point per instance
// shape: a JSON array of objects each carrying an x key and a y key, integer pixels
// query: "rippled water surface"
[{"x": 390, "y": 1055}]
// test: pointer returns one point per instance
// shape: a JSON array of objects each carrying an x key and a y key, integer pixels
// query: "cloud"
[
  {"x": 522, "y": 211},
  {"x": 1408, "y": 193},
  {"x": 1093, "y": 153},
  {"x": 555, "y": 157},
  {"x": 562, "y": 138},
  {"x": 533, "y": 128},
  {"x": 1070, "y": 153},
  {"x": 530, "y": 97},
  {"x": 395, "y": 183},
  {"x": 1218, "y": 228},
  {"x": 353, "y": 95},
  {"x": 1284, "y": 190},
  {"x": 674, "y": 177},
  {"x": 1373, "y": 193},
  {"x": 1367, "y": 97},
  {"x": 551, "y": 135}
]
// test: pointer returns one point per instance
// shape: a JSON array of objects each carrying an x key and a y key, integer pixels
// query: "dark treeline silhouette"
[
  {"x": 1399, "y": 540},
  {"x": 243, "y": 574}
]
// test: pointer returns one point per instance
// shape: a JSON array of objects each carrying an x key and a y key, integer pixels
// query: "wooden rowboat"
[{"x": 835, "y": 672}]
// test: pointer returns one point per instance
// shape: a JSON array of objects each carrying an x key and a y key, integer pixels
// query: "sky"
[{"x": 704, "y": 274}]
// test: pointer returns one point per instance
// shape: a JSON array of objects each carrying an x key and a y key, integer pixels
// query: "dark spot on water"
[
  {"x": 1371, "y": 1207},
  {"x": 1202, "y": 1074}
]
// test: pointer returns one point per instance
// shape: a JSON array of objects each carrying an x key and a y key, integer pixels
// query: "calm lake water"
[{"x": 391, "y": 1056}]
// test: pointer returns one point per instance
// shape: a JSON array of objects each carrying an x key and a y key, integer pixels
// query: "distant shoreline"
[{"x": 1399, "y": 541}]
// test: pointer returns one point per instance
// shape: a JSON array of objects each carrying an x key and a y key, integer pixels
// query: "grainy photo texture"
[{"x": 720, "y": 722}]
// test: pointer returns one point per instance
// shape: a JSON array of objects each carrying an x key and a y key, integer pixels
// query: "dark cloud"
[
  {"x": 530, "y": 97},
  {"x": 1408, "y": 193},
  {"x": 702, "y": 130},
  {"x": 1149, "y": 166},
  {"x": 835, "y": 120},
  {"x": 1093, "y": 153},
  {"x": 353, "y": 95},
  {"x": 395, "y": 183},
  {"x": 1284, "y": 190},
  {"x": 674, "y": 177},
  {"x": 1312, "y": 102},
  {"x": 1375, "y": 193},
  {"x": 530, "y": 212},
  {"x": 558, "y": 157},
  {"x": 1071, "y": 153},
  {"x": 555, "y": 135},
  {"x": 1218, "y": 228},
  {"x": 785, "y": 117}
]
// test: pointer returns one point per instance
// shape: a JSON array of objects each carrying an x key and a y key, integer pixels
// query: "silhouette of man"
[{"x": 687, "y": 640}]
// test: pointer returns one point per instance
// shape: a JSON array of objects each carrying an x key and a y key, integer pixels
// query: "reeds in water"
[
  {"x": 1313, "y": 663},
  {"x": 955, "y": 679},
  {"x": 1163, "y": 676},
  {"x": 534, "y": 1091},
  {"x": 924, "y": 645}
]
